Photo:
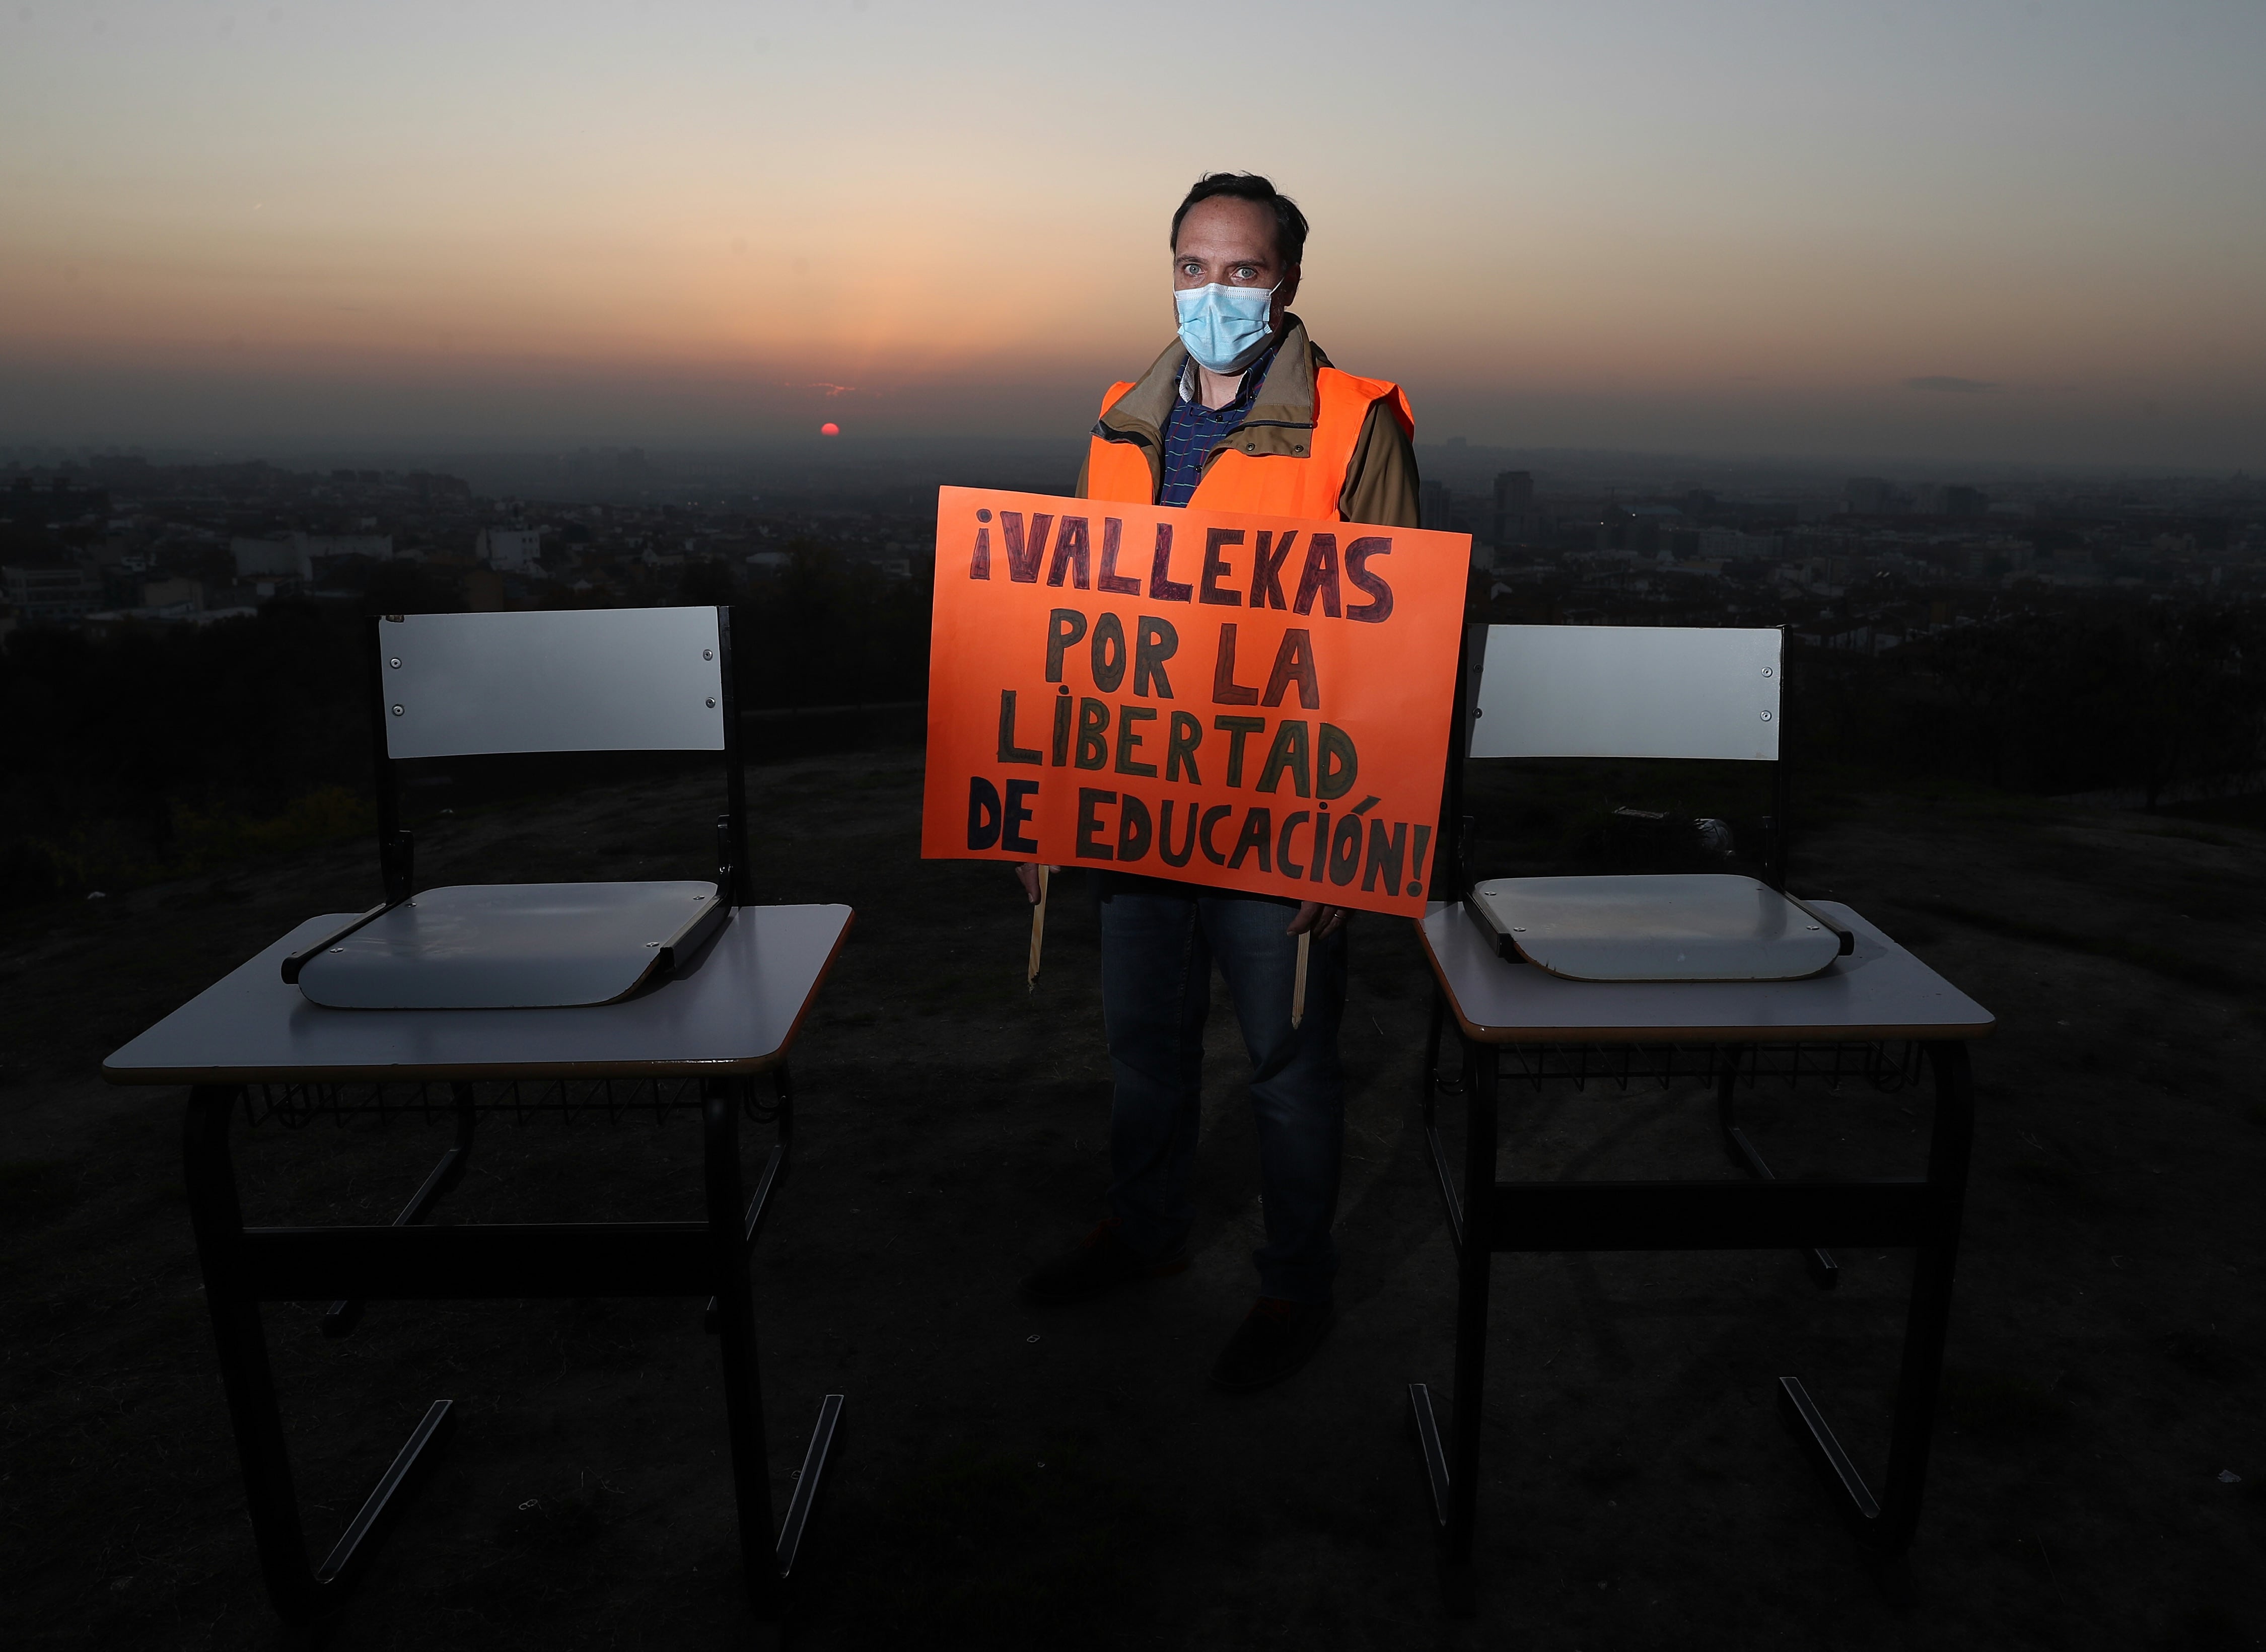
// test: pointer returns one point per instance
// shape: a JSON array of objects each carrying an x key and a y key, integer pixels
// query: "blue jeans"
[{"x": 1158, "y": 949}]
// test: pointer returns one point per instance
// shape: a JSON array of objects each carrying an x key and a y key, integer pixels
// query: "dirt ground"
[{"x": 1013, "y": 1477}]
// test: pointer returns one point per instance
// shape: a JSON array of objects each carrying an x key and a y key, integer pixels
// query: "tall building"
[
  {"x": 256, "y": 558},
  {"x": 509, "y": 550},
  {"x": 48, "y": 593},
  {"x": 187, "y": 595},
  {"x": 294, "y": 557},
  {"x": 1513, "y": 505},
  {"x": 1436, "y": 508},
  {"x": 321, "y": 547},
  {"x": 1869, "y": 495}
]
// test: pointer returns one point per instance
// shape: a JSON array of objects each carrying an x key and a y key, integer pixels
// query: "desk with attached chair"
[
  {"x": 533, "y": 999},
  {"x": 1849, "y": 1004}
]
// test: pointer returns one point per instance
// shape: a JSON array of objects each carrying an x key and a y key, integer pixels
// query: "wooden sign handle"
[
  {"x": 1298, "y": 985},
  {"x": 1039, "y": 930}
]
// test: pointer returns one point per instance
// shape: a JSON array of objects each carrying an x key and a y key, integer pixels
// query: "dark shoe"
[
  {"x": 1275, "y": 1339},
  {"x": 1102, "y": 1262}
]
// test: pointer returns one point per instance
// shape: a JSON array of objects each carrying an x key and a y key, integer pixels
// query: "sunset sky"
[{"x": 1977, "y": 230}]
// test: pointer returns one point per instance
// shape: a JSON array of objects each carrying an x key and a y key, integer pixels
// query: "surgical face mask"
[{"x": 1226, "y": 328}]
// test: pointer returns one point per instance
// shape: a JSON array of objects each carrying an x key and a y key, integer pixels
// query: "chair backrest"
[
  {"x": 608, "y": 679},
  {"x": 605, "y": 679},
  {"x": 1628, "y": 692}
]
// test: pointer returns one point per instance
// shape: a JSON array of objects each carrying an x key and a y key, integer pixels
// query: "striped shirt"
[{"x": 1192, "y": 430}]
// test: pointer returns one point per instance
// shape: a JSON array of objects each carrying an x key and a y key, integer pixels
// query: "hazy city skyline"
[{"x": 1978, "y": 231}]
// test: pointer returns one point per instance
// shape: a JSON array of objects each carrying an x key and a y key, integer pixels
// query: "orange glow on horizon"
[{"x": 881, "y": 209}]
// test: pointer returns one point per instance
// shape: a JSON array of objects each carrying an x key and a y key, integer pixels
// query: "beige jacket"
[{"x": 1380, "y": 483}]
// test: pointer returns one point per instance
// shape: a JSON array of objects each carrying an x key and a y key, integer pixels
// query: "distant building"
[
  {"x": 111, "y": 621},
  {"x": 1869, "y": 495},
  {"x": 61, "y": 502},
  {"x": 186, "y": 595},
  {"x": 50, "y": 594},
  {"x": 274, "y": 557},
  {"x": 118, "y": 549},
  {"x": 378, "y": 547},
  {"x": 294, "y": 556},
  {"x": 1946, "y": 500},
  {"x": 509, "y": 550},
  {"x": 1436, "y": 507},
  {"x": 1731, "y": 544},
  {"x": 1513, "y": 505}
]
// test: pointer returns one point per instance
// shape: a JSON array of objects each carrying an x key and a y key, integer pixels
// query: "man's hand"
[
  {"x": 1312, "y": 915},
  {"x": 1026, "y": 874}
]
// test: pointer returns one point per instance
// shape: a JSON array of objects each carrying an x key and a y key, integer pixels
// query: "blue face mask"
[{"x": 1226, "y": 328}]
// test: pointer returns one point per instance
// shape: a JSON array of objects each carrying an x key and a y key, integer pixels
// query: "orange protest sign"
[{"x": 1255, "y": 703}]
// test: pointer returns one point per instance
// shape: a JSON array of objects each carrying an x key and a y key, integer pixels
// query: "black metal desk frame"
[
  {"x": 347, "y": 1266},
  {"x": 690, "y": 1030},
  {"x": 1486, "y": 1216}
]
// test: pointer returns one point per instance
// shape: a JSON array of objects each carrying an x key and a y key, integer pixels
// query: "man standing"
[{"x": 1242, "y": 411}]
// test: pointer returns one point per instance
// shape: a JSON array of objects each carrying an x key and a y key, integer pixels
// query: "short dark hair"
[{"x": 1290, "y": 223}]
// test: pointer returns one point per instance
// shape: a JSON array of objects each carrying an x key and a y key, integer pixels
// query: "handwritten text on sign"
[{"x": 1249, "y": 702}]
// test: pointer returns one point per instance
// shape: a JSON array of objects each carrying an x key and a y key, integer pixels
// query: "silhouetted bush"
[
  {"x": 827, "y": 632},
  {"x": 103, "y": 742},
  {"x": 163, "y": 748},
  {"x": 2109, "y": 695}
]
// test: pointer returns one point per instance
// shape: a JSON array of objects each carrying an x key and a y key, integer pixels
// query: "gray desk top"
[
  {"x": 734, "y": 1009},
  {"x": 1880, "y": 990}
]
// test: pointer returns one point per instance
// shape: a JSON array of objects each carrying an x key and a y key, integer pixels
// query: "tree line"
[
  {"x": 155, "y": 750},
  {"x": 2154, "y": 699}
]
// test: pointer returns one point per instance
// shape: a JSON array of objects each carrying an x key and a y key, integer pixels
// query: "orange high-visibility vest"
[{"x": 1305, "y": 482}]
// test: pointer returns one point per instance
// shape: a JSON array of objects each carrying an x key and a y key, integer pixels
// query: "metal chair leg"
[
  {"x": 743, "y": 1399},
  {"x": 245, "y": 1376},
  {"x": 299, "y": 1593},
  {"x": 1885, "y": 1526},
  {"x": 1474, "y": 1275},
  {"x": 1921, "y": 1379},
  {"x": 783, "y": 1088},
  {"x": 340, "y": 1318},
  {"x": 1824, "y": 1272},
  {"x": 768, "y": 1563},
  {"x": 1428, "y": 1078},
  {"x": 768, "y": 1178},
  {"x": 1434, "y": 1149},
  {"x": 1434, "y": 1085}
]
